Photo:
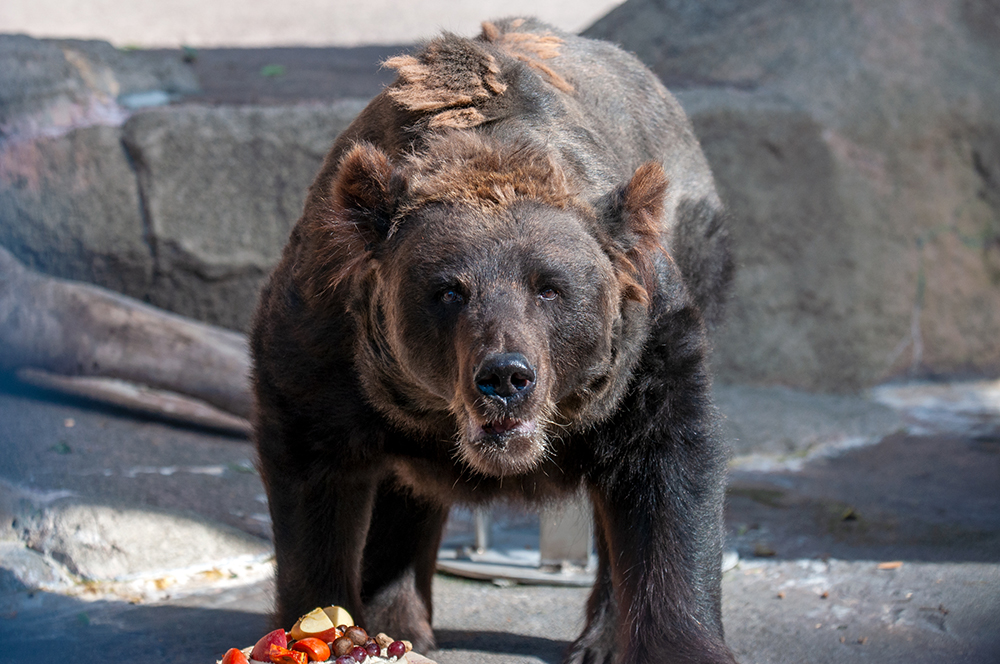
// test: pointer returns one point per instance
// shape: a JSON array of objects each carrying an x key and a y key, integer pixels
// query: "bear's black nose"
[{"x": 506, "y": 376}]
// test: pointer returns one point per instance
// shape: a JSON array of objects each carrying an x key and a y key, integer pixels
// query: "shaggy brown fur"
[
  {"x": 496, "y": 290},
  {"x": 452, "y": 77},
  {"x": 530, "y": 48},
  {"x": 448, "y": 77},
  {"x": 642, "y": 202},
  {"x": 341, "y": 245},
  {"x": 484, "y": 172}
]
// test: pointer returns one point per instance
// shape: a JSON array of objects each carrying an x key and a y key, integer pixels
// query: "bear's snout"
[
  {"x": 503, "y": 434},
  {"x": 507, "y": 378}
]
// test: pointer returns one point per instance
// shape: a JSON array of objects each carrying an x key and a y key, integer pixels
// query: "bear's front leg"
[
  {"x": 598, "y": 642},
  {"x": 657, "y": 596},
  {"x": 399, "y": 564},
  {"x": 664, "y": 565},
  {"x": 320, "y": 517},
  {"x": 657, "y": 484}
]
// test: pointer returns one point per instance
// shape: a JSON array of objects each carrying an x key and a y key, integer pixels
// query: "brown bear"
[{"x": 499, "y": 287}]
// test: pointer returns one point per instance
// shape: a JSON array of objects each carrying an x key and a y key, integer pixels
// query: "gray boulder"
[
  {"x": 104, "y": 178},
  {"x": 69, "y": 200},
  {"x": 69, "y": 203},
  {"x": 52, "y": 86},
  {"x": 221, "y": 188},
  {"x": 858, "y": 145},
  {"x": 69, "y": 207}
]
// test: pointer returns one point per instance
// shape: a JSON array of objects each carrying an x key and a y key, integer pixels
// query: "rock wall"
[
  {"x": 858, "y": 145},
  {"x": 220, "y": 190},
  {"x": 184, "y": 206}
]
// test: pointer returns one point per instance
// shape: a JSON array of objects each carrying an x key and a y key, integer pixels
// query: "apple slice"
[
  {"x": 261, "y": 651},
  {"x": 312, "y": 624},
  {"x": 339, "y": 616}
]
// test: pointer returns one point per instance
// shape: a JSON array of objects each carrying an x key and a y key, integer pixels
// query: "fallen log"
[
  {"x": 141, "y": 399},
  {"x": 92, "y": 342}
]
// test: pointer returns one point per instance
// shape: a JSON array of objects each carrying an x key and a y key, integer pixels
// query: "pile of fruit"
[{"x": 322, "y": 635}]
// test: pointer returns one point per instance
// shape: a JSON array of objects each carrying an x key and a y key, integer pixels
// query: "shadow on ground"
[
  {"x": 933, "y": 498},
  {"x": 550, "y": 651},
  {"x": 47, "y": 628}
]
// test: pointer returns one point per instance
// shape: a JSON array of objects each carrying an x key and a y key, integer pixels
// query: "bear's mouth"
[
  {"x": 503, "y": 433},
  {"x": 503, "y": 425},
  {"x": 504, "y": 446}
]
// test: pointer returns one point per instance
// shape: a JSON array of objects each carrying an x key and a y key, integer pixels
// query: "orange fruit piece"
[{"x": 314, "y": 648}]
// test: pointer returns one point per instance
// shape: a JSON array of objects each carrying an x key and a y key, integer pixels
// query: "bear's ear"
[
  {"x": 633, "y": 219},
  {"x": 356, "y": 216},
  {"x": 365, "y": 192}
]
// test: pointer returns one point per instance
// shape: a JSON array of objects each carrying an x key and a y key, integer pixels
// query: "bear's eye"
[
  {"x": 451, "y": 296},
  {"x": 548, "y": 293}
]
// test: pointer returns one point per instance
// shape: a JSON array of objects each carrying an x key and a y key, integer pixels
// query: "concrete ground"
[{"x": 815, "y": 523}]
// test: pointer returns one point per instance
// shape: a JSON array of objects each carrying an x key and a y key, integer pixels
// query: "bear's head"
[{"x": 493, "y": 303}]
